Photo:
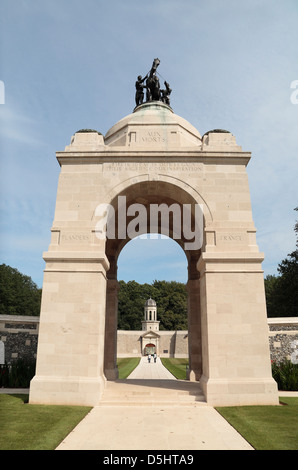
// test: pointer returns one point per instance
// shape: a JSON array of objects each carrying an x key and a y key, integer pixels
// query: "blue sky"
[{"x": 68, "y": 65}]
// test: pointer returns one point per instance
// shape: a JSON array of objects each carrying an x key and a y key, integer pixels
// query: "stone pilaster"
[{"x": 70, "y": 352}]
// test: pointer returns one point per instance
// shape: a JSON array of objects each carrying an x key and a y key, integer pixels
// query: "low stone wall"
[
  {"x": 283, "y": 339},
  {"x": 19, "y": 336},
  {"x": 168, "y": 343},
  {"x": 129, "y": 341}
]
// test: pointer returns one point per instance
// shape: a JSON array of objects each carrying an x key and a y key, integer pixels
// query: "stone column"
[
  {"x": 194, "y": 330},
  {"x": 235, "y": 347},
  {"x": 70, "y": 356},
  {"x": 110, "y": 360}
]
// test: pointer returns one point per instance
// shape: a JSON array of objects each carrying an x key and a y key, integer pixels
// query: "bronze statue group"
[{"x": 152, "y": 86}]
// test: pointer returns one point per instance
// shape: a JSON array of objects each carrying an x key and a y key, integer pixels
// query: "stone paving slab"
[
  {"x": 154, "y": 428},
  {"x": 152, "y": 370},
  {"x": 164, "y": 425}
]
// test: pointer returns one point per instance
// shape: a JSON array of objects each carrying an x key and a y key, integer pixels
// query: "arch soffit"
[
  {"x": 180, "y": 184},
  {"x": 145, "y": 178}
]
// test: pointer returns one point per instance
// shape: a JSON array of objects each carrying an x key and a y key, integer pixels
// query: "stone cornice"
[{"x": 181, "y": 156}]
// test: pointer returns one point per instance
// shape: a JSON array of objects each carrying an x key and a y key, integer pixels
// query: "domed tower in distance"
[{"x": 150, "y": 316}]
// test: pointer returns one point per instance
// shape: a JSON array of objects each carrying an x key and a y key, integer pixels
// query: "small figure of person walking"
[
  {"x": 149, "y": 358},
  {"x": 155, "y": 356}
]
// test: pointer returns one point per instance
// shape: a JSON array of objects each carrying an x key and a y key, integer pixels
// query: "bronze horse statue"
[
  {"x": 152, "y": 83},
  {"x": 153, "y": 91}
]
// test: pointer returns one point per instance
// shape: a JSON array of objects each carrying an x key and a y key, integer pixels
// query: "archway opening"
[
  {"x": 139, "y": 199},
  {"x": 150, "y": 349},
  {"x": 152, "y": 256},
  {"x": 152, "y": 297}
]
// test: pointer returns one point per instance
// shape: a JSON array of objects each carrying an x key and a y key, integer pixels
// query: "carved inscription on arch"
[
  {"x": 231, "y": 238},
  {"x": 75, "y": 237},
  {"x": 151, "y": 137},
  {"x": 150, "y": 166}
]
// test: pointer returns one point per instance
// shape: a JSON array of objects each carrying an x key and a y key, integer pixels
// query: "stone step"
[
  {"x": 157, "y": 392},
  {"x": 161, "y": 393},
  {"x": 151, "y": 401},
  {"x": 149, "y": 396}
]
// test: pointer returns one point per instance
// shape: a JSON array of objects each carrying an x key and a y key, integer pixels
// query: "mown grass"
[
  {"x": 126, "y": 365},
  {"x": 42, "y": 427},
  {"x": 35, "y": 427},
  {"x": 177, "y": 366},
  {"x": 266, "y": 427}
]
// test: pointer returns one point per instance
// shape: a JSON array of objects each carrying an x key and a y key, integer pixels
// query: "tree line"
[
  {"x": 282, "y": 290},
  {"x": 19, "y": 295},
  {"x": 170, "y": 297}
]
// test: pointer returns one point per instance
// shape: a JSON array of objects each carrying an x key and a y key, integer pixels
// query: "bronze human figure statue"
[
  {"x": 166, "y": 93},
  {"x": 139, "y": 89}
]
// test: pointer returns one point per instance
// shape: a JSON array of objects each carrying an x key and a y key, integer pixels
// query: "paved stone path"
[
  {"x": 152, "y": 370},
  {"x": 151, "y": 410}
]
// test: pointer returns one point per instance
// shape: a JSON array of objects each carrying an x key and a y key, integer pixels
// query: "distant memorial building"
[
  {"x": 151, "y": 160},
  {"x": 151, "y": 326},
  {"x": 150, "y": 322},
  {"x": 150, "y": 340}
]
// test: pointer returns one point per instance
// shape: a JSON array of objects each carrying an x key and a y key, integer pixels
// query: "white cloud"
[{"x": 18, "y": 127}]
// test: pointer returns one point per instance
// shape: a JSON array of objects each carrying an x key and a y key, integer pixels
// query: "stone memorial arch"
[{"x": 107, "y": 188}]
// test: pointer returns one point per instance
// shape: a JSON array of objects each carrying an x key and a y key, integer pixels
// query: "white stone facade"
[
  {"x": 153, "y": 156},
  {"x": 168, "y": 343},
  {"x": 150, "y": 321}
]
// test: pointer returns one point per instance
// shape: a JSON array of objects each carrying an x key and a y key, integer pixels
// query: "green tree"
[
  {"x": 19, "y": 295},
  {"x": 282, "y": 290},
  {"x": 270, "y": 290},
  {"x": 171, "y": 299},
  {"x": 130, "y": 305}
]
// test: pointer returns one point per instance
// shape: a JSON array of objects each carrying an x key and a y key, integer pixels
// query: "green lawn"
[
  {"x": 177, "y": 367},
  {"x": 43, "y": 427},
  {"x": 266, "y": 427},
  {"x": 35, "y": 427},
  {"x": 126, "y": 365}
]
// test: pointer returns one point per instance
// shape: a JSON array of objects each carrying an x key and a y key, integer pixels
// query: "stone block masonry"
[
  {"x": 283, "y": 339},
  {"x": 19, "y": 337}
]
